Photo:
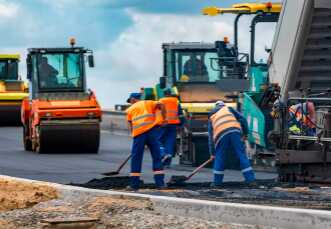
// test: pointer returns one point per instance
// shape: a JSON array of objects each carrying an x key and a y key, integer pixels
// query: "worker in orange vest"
[
  {"x": 227, "y": 130},
  {"x": 174, "y": 118},
  {"x": 302, "y": 119},
  {"x": 142, "y": 122}
]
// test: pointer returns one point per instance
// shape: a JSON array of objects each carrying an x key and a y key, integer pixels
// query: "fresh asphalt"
[{"x": 79, "y": 168}]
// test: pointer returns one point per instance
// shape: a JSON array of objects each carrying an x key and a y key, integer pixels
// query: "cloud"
[
  {"x": 61, "y": 4},
  {"x": 127, "y": 41},
  {"x": 7, "y": 9},
  {"x": 146, "y": 6},
  {"x": 135, "y": 58}
]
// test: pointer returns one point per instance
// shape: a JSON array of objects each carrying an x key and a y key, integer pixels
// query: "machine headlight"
[{"x": 90, "y": 114}]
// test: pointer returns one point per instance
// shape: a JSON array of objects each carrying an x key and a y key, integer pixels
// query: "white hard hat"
[{"x": 220, "y": 103}]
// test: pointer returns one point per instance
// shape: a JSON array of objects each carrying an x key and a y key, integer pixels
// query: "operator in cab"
[
  {"x": 195, "y": 69},
  {"x": 168, "y": 132},
  {"x": 227, "y": 130},
  {"x": 3, "y": 72},
  {"x": 141, "y": 116},
  {"x": 47, "y": 74}
]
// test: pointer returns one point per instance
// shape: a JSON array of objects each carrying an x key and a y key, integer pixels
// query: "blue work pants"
[
  {"x": 168, "y": 136},
  {"x": 149, "y": 138},
  {"x": 231, "y": 141}
]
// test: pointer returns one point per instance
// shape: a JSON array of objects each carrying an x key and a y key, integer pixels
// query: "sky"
[{"x": 125, "y": 35}]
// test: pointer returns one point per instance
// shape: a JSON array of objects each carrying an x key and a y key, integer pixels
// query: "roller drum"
[
  {"x": 10, "y": 114},
  {"x": 69, "y": 136}
]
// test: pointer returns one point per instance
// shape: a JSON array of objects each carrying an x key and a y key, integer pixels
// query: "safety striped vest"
[
  {"x": 142, "y": 116},
  {"x": 223, "y": 120},
  {"x": 158, "y": 118},
  {"x": 304, "y": 113},
  {"x": 171, "y": 106}
]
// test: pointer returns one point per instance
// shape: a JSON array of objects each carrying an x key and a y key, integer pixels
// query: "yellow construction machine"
[
  {"x": 260, "y": 91},
  {"x": 12, "y": 90},
  {"x": 244, "y": 8},
  {"x": 201, "y": 73}
]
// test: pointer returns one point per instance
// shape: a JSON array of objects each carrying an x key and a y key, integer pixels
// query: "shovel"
[
  {"x": 180, "y": 180},
  {"x": 113, "y": 173}
]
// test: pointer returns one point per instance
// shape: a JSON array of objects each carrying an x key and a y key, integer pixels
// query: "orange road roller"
[{"x": 61, "y": 115}]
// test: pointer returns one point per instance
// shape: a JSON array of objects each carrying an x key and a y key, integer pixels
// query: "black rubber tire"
[
  {"x": 26, "y": 140},
  {"x": 38, "y": 148}
]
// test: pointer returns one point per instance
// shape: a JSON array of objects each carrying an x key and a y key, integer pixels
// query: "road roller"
[
  {"x": 61, "y": 115},
  {"x": 12, "y": 90}
]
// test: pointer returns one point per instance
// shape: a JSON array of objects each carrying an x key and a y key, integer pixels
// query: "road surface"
[{"x": 79, "y": 168}]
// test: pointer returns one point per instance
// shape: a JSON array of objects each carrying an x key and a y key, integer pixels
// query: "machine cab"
[
  {"x": 58, "y": 70},
  {"x": 203, "y": 72},
  {"x": 10, "y": 81},
  {"x": 9, "y": 67}
]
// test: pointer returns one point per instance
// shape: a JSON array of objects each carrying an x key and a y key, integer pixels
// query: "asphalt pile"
[{"x": 263, "y": 192}]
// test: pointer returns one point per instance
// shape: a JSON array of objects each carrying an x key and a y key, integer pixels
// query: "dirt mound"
[
  {"x": 6, "y": 225},
  {"x": 17, "y": 194}
]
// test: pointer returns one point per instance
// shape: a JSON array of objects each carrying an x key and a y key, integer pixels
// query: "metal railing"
[{"x": 231, "y": 67}]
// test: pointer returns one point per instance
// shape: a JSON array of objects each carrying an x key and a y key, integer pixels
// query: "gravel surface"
[{"x": 112, "y": 212}]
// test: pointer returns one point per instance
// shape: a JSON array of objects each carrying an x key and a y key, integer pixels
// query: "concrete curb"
[
  {"x": 115, "y": 121},
  {"x": 113, "y": 112},
  {"x": 277, "y": 217}
]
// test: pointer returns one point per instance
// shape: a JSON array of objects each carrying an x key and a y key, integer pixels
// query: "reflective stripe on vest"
[
  {"x": 158, "y": 118},
  {"x": 158, "y": 172},
  {"x": 142, "y": 124},
  {"x": 171, "y": 106},
  {"x": 222, "y": 120},
  {"x": 143, "y": 118},
  {"x": 296, "y": 110}
]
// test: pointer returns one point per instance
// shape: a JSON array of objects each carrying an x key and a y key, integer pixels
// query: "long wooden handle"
[
  {"x": 200, "y": 167},
  {"x": 124, "y": 163}
]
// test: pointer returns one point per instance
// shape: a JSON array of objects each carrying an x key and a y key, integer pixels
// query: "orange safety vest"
[
  {"x": 222, "y": 120},
  {"x": 142, "y": 116},
  {"x": 307, "y": 118},
  {"x": 158, "y": 118},
  {"x": 171, "y": 106}
]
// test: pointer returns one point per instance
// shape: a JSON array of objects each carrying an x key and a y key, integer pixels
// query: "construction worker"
[
  {"x": 174, "y": 118},
  {"x": 302, "y": 119},
  {"x": 141, "y": 117},
  {"x": 3, "y": 74},
  {"x": 195, "y": 69},
  {"x": 48, "y": 74},
  {"x": 227, "y": 131}
]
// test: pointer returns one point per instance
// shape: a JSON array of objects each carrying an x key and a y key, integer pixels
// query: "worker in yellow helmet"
[{"x": 195, "y": 69}]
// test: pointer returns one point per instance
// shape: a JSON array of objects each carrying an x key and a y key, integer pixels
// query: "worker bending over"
[
  {"x": 168, "y": 132},
  {"x": 141, "y": 117},
  {"x": 302, "y": 119},
  {"x": 227, "y": 130}
]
